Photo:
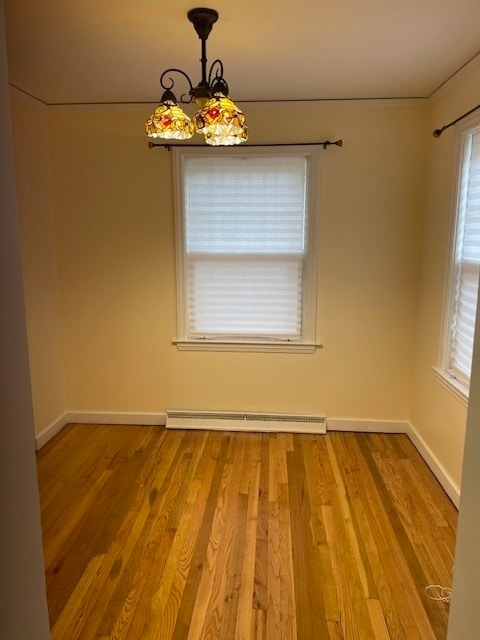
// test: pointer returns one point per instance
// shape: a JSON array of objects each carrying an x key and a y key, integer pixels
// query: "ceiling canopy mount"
[{"x": 203, "y": 21}]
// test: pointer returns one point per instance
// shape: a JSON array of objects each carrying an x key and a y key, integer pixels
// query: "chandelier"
[{"x": 218, "y": 118}]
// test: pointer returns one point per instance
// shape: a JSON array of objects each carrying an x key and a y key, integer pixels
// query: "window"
[
  {"x": 465, "y": 267},
  {"x": 246, "y": 248}
]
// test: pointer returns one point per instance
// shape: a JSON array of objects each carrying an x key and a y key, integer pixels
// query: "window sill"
[
  {"x": 459, "y": 390},
  {"x": 254, "y": 346}
]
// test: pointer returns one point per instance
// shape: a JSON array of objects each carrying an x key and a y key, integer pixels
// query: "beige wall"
[
  {"x": 23, "y": 604},
  {"x": 438, "y": 416},
  {"x": 39, "y": 258},
  {"x": 115, "y": 232}
]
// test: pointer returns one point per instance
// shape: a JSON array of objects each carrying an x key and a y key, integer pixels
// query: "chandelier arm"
[
  {"x": 167, "y": 83},
  {"x": 216, "y": 71},
  {"x": 216, "y": 81}
]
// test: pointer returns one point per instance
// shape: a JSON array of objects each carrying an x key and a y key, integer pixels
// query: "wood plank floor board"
[
  {"x": 319, "y": 534},
  {"x": 432, "y": 490},
  {"x": 405, "y": 534},
  {"x": 261, "y": 543},
  {"x": 244, "y": 624},
  {"x": 185, "y": 611},
  {"x": 309, "y": 598},
  {"x": 161, "y": 496},
  {"x": 93, "y": 536},
  {"x": 153, "y": 553},
  {"x": 344, "y": 494},
  {"x": 398, "y": 554},
  {"x": 168, "y": 594},
  {"x": 152, "y": 534},
  {"x": 378, "y": 568},
  {"x": 167, "y": 602},
  {"x": 63, "y": 482},
  {"x": 213, "y": 598}
]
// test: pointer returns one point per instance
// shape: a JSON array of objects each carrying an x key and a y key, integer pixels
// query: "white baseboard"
[
  {"x": 437, "y": 468},
  {"x": 47, "y": 434},
  {"x": 102, "y": 417},
  {"x": 105, "y": 417},
  {"x": 367, "y": 426}
]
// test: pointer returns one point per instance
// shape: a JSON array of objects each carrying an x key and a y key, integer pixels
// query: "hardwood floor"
[{"x": 154, "y": 534}]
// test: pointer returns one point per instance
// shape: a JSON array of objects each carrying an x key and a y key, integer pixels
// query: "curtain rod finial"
[{"x": 437, "y": 133}]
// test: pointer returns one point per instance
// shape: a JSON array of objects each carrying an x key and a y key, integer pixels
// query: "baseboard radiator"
[{"x": 240, "y": 421}]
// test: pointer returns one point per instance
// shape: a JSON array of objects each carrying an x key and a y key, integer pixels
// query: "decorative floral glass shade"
[
  {"x": 227, "y": 140},
  {"x": 221, "y": 122},
  {"x": 169, "y": 121}
]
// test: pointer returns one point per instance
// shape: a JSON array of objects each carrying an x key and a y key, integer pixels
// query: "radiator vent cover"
[{"x": 241, "y": 421}]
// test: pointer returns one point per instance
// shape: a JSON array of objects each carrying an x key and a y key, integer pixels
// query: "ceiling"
[{"x": 100, "y": 51}]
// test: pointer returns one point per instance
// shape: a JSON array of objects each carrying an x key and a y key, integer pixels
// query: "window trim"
[
  {"x": 452, "y": 384},
  {"x": 307, "y": 343},
  {"x": 456, "y": 385}
]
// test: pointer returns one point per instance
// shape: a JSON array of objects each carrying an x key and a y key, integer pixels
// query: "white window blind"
[
  {"x": 467, "y": 263},
  {"x": 246, "y": 251},
  {"x": 245, "y": 242}
]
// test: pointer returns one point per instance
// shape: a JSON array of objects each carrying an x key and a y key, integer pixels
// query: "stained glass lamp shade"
[
  {"x": 226, "y": 139},
  {"x": 221, "y": 121},
  {"x": 169, "y": 121}
]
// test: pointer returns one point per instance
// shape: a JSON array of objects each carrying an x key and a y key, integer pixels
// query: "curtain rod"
[
  {"x": 324, "y": 144},
  {"x": 438, "y": 132}
]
